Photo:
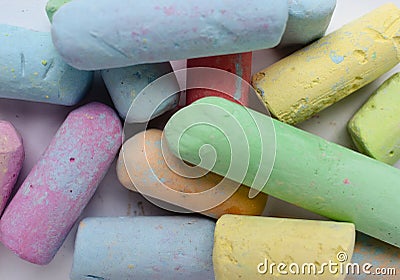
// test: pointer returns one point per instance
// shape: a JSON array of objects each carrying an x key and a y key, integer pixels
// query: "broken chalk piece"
[
  {"x": 317, "y": 76},
  {"x": 60, "y": 185},
  {"x": 11, "y": 159},
  {"x": 375, "y": 128}
]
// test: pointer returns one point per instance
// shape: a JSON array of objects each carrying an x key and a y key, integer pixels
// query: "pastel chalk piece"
[
  {"x": 60, "y": 185},
  {"x": 315, "y": 77},
  {"x": 52, "y": 7},
  {"x": 146, "y": 166},
  {"x": 308, "y": 21},
  {"x": 205, "y": 28},
  {"x": 32, "y": 70},
  {"x": 150, "y": 247},
  {"x": 238, "y": 64},
  {"x": 248, "y": 247},
  {"x": 371, "y": 254},
  {"x": 375, "y": 128},
  {"x": 11, "y": 160},
  {"x": 308, "y": 171},
  {"x": 125, "y": 84}
]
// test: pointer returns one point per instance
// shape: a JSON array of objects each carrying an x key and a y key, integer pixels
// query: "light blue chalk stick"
[
  {"x": 308, "y": 21},
  {"x": 125, "y": 84},
  {"x": 147, "y": 247},
  {"x": 134, "y": 32},
  {"x": 31, "y": 69}
]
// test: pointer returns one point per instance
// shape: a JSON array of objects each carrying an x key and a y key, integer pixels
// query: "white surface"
[{"x": 37, "y": 124}]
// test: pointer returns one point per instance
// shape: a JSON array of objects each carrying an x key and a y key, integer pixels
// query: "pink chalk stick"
[
  {"x": 11, "y": 159},
  {"x": 60, "y": 185}
]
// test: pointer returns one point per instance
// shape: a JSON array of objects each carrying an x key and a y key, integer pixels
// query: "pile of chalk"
[{"x": 131, "y": 44}]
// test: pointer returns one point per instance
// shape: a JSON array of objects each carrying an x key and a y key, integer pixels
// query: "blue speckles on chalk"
[{"x": 336, "y": 58}]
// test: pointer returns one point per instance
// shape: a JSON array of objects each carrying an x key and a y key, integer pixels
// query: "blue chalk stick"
[
  {"x": 31, "y": 69},
  {"x": 125, "y": 84},
  {"x": 134, "y": 32},
  {"x": 308, "y": 21},
  {"x": 147, "y": 247}
]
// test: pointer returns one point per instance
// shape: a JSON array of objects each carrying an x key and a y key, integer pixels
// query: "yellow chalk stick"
[{"x": 317, "y": 76}]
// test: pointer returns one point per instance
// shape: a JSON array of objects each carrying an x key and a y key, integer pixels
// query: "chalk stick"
[
  {"x": 125, "y": 84},
  {"x": 59, "y": 186},
  {"x": 375, "y": 127},
  {"x": 308, "y": 21},
  {"x": 144, "y": 248},
  {"x": 317, "y": 76},
  {"x": 205, "y": 28},
  {"x": 12, "y": 156},
  {"x": 308, "y": 171},
  {"x": 52, "y": 7},
  {"x": 238, "y": 64},
  {"x": 245, "y": 247},
  {"x": 31, "y": 69},
  {"x": 145, "y": 164}
]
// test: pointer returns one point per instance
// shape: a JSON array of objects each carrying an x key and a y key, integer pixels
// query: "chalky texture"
[
  {"x": 156, "y": 175},
  {"x": 62, "y": 182},
  {"x": 11, "y": 159},
  {"x": 375, "y": 128},
  {"x": 238, "y": 64},
  {"x": 167, "y": 248},
  {"x": 309, "y": 171},
  {"x": 31, "y": 69},
  {"x": 242, "y": 242},
  {"x": 125, "y": 84},
  {"x": 319, "y": 75},
  {"x": 204, "y": 28},
  {"x": 308, "y": 21}
]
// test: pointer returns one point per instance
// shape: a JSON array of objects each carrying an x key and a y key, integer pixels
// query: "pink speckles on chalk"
[
  {"x": 169, "y": 11},
  {"x": 346, "y": 181}
]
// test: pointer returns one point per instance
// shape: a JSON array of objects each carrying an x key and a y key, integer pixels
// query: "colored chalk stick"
[
  {"x": 308, "y": 21},
  {"x": 245, "y": 247},
  {"x": 31, "y": 69},
  {"x": 125, "y": 84},
  {"x": 144, "y": 165},
  {"x": 59, "y": 186},
  {"x": 144, "y": 248},
  {"x": 375, "y": 127},
  {"x": 52, "y": 7},
  {"x": 11, "y": 159},
  {"x": 308, "y": 171},
  {"x": 238, "y": 64},
  {"x": 313, "y": 78},
  {"x": 205, "y": 28}
]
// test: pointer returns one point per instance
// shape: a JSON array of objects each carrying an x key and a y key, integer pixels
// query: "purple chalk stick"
[
  {"x": 61, "y": 184},
  {"x": 11, "y": 159}
]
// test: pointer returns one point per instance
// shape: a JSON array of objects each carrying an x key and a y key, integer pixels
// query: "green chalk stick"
[
  {"x": 52, "y": 7},
  {"x": 375, "y": 128},
  {"x": 309, "y": 171}
]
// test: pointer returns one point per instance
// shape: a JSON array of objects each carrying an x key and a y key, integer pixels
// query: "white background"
[{"x": 37, "y": 124}]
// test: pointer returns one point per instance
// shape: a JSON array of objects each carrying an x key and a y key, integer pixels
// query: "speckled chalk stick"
[
  {"x": 310, "y": 172},
  {"x": 60, "y": 185},
  {"x": 125, "y": 84},
  {"x": 205, "y": 28},
  {"x": 238, "y": 64},
  {"x": 380, "y": 255},
  {"x": 311, "y": 79},
  {"x": 308, "y": 21},
  {"x": 147, "y": 165},
  {"x": 375, "y": 128},
  {"x": 31, "y": 69},
  {"x": 52, "y": 7},
  {"x": 246, "y": 246},
  {"x": 168, "y": 248},
  {"x": 11, "y": 159}
]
